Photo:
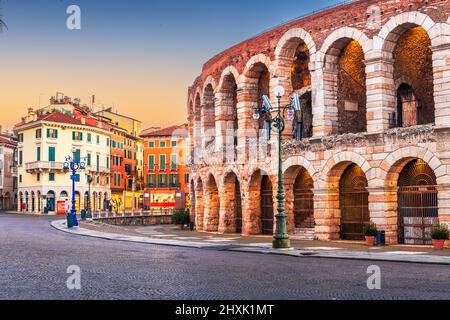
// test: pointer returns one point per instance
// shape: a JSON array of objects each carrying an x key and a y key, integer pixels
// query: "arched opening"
[
  {"x": 21, "y": 202},
  {"x": 406, "y": 106},
  {"x": 212, "y": 206},
  {"x": 267, "y": 213},
  {"x": 39, "y": 202},
  {"x": 208, "y": 118},
  {"x": 64, "y": 194},
  {"x": 77, "y": 201},
  {"x": 192, "y": 199},
  {"x": 199, "y": 206},
  {"x": 346, "y": 74},
  {"x": 354, "y": 203},
  {"x": 232, "y": 212},
  {"x": 304, "y": 202},
  {"x": 417, "y": 203},
  {"x": 94, "y": 201},
  {"x": 33, "y": 202},
  {"x": 27, "y": 201},
  {"x": 301, "y": 84},
  {"x": 413, "y": 73},
  {"x": 197, "y": 125},
  {"x": 86, "y": 201},
  {"x": 258, "y": 86},
  {"x": 100, "y": 202},
  {"x": 51, "y": 201},
  {"x": 229, "y": 92}
]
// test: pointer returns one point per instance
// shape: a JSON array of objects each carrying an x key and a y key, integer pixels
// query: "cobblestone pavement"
[{"x": 34, "y": 258}]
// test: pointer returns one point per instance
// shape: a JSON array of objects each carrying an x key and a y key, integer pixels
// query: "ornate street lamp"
[
  {"x": 72, "y": 165},
  {"x": 278, "y": 118},
  {"x": 89, "y": 181}
]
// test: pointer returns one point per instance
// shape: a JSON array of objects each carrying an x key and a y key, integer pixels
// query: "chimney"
[
  {"x": 67, "y": 100},
  {"x": 52, "y": 100}
]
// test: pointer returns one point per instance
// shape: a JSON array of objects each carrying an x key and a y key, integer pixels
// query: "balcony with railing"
[
  {"x": 44, "y": 165},
  {"x": 98, "y": 169}
]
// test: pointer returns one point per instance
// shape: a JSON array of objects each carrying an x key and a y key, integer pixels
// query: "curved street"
[{"x": 35, "y": 257}]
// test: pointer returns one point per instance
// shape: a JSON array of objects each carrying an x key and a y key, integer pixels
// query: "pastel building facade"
[
  {"x": 8, "y": 172},
  {"x": 46, "y": 137}
]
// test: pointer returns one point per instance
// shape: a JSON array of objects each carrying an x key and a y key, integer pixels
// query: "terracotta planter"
[
  {"x": 370, "y": 241},
  {"x": 180, "y": 226},
  {"x": 438, "y": 244}
]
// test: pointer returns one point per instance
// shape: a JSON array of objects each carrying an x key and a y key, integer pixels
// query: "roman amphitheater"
[{"x": 374, "y": 82}]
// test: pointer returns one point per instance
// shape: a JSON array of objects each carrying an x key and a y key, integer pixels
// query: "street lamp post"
[
  {"x": 89, "y": 180},
  {"x": 278, "y": 118},
  {"x": 73, "y": 166}
]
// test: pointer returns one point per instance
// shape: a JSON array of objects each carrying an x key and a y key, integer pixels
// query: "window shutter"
[{"x": 48, "y": 133}]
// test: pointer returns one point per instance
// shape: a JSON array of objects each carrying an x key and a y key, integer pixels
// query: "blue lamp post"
[{"x": 72, "y": 165}]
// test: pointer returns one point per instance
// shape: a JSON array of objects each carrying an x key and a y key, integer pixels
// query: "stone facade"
[{"x": 357, "y": 72}]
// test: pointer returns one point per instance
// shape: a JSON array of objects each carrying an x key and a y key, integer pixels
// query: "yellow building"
[{"x": 46, "y": 137}]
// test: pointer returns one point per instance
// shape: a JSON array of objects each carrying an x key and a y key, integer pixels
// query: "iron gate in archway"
[
  {"x": 267, "y": 215},
  {"x": 354, "y": 203},
  {"x": 417, "y": 204}
]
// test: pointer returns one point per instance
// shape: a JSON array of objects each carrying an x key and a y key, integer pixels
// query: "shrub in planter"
[
  {"x": 370, "y": 232},
  {"x": 180, "y": 218},
  {"x": 440, "y": 234}
]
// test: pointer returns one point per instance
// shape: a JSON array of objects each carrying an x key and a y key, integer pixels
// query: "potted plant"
[
  {"x": 440, "y": 234},
  {"x": 370, "y": 232},
  {"x": 180, "y": 218}
]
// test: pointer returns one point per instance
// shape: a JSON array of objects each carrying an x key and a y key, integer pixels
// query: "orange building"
[
  {"x": 165, "y": 169},
  {"x": 118, "y": 175}
]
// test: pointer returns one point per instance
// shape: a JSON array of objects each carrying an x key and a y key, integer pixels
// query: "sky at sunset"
[{"x": 138, "y": 56}]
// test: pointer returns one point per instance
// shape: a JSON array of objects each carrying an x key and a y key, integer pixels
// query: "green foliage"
[
  {"x": 440, "y": 232},
  {"x": 181, "y": 217},
  {"x": 370, "y": 230}
]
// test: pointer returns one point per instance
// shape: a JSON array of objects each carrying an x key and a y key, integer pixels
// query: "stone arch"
[
  {"x": 255, "y": 82},
  {"x": 300, "y": 162},
  {"x": 393, "y": 164},
  {"x": 227, "y": 125},
  {"x": 396, "y": 26},
  {"x": 299, "y": 197},
  {"x": 230, "y": 70},
  {"x": 197, "y": 122},
  {"x": 284, "y": 46},
  {"x": 231, "y": 204},
  {"x": 209, "y": 81},
  {"x": 294, "y": 70},
  {"x": 343, "y": 57},
  {"x": 405, "y": 37},
  {"x": 192, "y": 200},
  {"x": 332, "y": 170},
  {"x": 343, "y": 33},
  {"x": 208, "y": 118},
  {"x": 252, "y": 210},
  {"x": 212, "y": 205}
]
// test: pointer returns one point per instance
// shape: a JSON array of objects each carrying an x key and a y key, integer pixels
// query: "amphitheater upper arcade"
[{"x": 374, "y": 81}]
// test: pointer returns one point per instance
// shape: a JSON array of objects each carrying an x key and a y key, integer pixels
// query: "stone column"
[
  {"x": 324, "y": 101},
  {"x": 246, "y": 97},
  {"x": 441, "y": 75},
  {"x": 199, "y": 210},
  {"x": 327, "y": 214},
  {"x": 380, "y": 93},
  {"x": 383, "y": 212},
  {"x": 227, "y": 220}
]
